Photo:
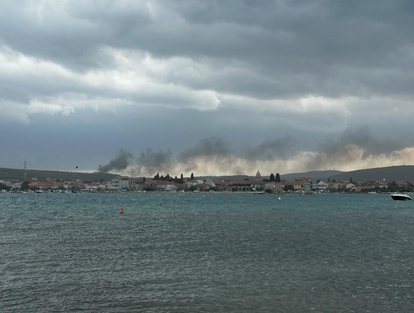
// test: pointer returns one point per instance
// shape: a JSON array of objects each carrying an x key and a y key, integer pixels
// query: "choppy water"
[{"x": 206, "y": 253}]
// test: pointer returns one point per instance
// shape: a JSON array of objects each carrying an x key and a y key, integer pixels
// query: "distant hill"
[
  {"x": 322, "y": 175},
  {"x": 288, "y": 177},
  {"x": 392, "y": 173},
  {"x": 18, "y": 175}
]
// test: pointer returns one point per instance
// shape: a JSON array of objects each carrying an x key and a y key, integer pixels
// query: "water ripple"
[{"x": 198, "y": 253}]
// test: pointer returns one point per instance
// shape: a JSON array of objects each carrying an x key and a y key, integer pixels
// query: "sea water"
[{"x": 206, "y": 252}]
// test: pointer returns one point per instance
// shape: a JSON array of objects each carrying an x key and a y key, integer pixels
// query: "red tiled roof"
[
  {"x": 401, "y": 183},
  {"x": 44, "y": 184},
  {"x": 222, "y": 182},
  {"x": 241, "y": 182},
  {"x": 163, "y": 182}
]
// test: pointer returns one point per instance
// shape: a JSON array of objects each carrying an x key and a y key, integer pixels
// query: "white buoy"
[{"x": 280, "y": 199}]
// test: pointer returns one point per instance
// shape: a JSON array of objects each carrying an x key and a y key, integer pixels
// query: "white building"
[
  {"x": 349, "y": 186},
  {"x": 322, "y": 185},
  {"x": 165, "y": 186},
  {"x": 121, "y": 183}
]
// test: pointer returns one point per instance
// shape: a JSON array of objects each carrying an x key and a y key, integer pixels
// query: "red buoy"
[
  {"x": 34, "y": 202},
  {"x": 160, "y": 203},
  {"x": 122, "y": 211}
]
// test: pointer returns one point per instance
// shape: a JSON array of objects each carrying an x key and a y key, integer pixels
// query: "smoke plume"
[
  {"x": 353, "y": 149},
  {"x": 270, "y": 150},
  {"x": 151, "y": 162},
  {"x": 209, "y": 147},
  {"x": 121, "y": 162},
  {"x": 353, "y": 146}
]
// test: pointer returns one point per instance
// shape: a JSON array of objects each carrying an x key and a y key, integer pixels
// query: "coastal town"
[{"x": 272, "y": 184}]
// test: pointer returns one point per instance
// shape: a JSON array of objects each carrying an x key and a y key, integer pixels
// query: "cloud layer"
[{"x": 298, "y": 80}]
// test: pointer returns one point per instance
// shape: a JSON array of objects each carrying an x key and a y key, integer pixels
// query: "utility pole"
[{"x": 24, "y": 172}]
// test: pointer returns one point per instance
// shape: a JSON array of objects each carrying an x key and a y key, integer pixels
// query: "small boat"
[{"x": 400, "y": 196}]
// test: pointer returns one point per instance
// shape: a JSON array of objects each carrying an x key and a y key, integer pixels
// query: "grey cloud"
[
  {"x": 243, "y": 50},
  {"x": 296, "y": 48}
]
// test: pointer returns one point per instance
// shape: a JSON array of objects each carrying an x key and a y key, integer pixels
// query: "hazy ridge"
[
  {"x": 18, "y": 174},
  {"x": 392, "y": 173}
]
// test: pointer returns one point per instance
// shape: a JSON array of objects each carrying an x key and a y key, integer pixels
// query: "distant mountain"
[
  {"x": 18, "y": 175},
  {"x": 392, "y": 173}
]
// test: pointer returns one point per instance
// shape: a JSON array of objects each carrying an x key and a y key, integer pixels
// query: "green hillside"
[
  {"x": 323, "y": 175},
  {"x": 288, "y": 177},
  {"x": 18, "y": 175},
  {"x": 393, "y": 173}
]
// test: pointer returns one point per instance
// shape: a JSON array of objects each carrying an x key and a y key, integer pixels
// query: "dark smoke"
[
  {"x": 346, "y": 148},
  {"x": 209, "y": 147},
  {"x": 121, "y": 162},
  {"x": 155, "y": 161},
  {"x": 270, "y": 150},
  {"x": 216, "y": 153}
]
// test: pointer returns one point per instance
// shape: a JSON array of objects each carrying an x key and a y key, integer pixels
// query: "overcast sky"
[{"x": 210, "y": 87}]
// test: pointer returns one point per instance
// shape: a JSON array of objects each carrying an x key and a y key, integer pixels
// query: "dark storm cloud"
[
  {"x": 264, "y": 67},
  {"x": 121, "y": 162},
  {"x": 305, "y": 47},
  {"x": 282, "y": 48}
]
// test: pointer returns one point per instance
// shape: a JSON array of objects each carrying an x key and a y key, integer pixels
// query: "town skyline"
[
  {"x": 393, "y": 173},
  {"x": 258, "y": 184}
]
